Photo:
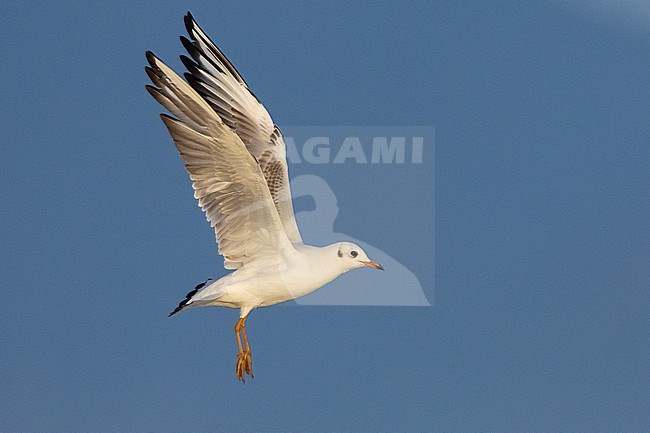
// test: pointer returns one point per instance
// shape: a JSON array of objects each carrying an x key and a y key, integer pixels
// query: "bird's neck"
[{"x": 325, "y": 262}]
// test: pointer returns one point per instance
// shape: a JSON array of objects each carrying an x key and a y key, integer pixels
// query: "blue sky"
[{"x": 542, "y": 130}]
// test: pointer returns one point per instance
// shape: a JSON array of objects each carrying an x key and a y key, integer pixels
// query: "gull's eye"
[{"x": 354, "y": 253}]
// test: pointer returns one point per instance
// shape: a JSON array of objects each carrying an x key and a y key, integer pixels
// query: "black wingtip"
[
  {"x": 186, "y": 60},
  {"x": 191, "y": 79},
  {"x": 191, "y": 65},
  {"x": 151, "y": 57},
  {"x": 189, "y": 46},
  {"x": 151, "y": 89},
  {"x": 150, "y": 72},
  {"x": 189, "y": 21},
  {"x": 200, "y": 285},
  {"x": 188, "y": 297},
  {"x": 179, "y": 308}
]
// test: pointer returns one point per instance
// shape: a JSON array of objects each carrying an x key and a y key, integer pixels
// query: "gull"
[{"x": 236, "y": 158}]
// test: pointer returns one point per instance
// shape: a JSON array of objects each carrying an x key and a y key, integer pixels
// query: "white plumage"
[{"x": 236, "y": 159}]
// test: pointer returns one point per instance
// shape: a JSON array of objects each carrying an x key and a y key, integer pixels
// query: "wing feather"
[
  {"x": 227, "y": 180},
  {"x": 222, "y": 87}
]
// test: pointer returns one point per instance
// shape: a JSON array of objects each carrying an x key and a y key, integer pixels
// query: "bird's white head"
[{"x": 352, "y": 256}]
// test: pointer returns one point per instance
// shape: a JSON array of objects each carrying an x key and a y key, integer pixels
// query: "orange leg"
[{"x": 244, "y": 360}]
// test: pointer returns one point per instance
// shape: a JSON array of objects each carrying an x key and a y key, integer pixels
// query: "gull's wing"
[
  {"x": 227, "y": 180},
  {"x": 214, "y": 78}
]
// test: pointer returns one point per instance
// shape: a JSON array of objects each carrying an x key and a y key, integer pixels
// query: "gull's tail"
[{"x": 189, "y": 297}]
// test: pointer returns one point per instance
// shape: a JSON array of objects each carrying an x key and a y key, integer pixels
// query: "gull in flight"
[{"x": 236, "y": 159}]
